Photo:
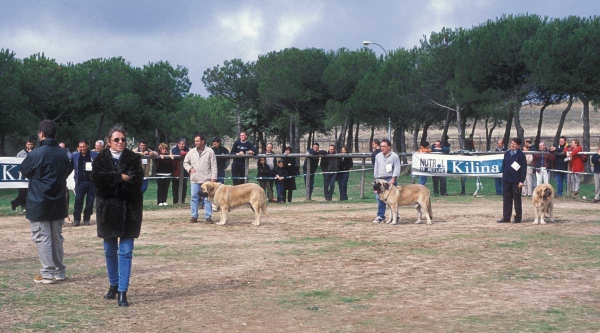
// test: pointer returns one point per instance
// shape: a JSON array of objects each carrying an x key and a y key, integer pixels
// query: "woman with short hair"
[{"x": 117, "y": 174}]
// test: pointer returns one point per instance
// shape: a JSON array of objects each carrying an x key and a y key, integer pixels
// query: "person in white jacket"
[{"x": 201, "y": 163}]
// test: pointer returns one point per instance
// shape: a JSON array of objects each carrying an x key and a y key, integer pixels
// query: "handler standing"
[
  {"x": 201, "y": 163},
  {"x": 514, "y": 170},
  {"x": 387, "y": 167},
  {"x": 47, "y": 168}
]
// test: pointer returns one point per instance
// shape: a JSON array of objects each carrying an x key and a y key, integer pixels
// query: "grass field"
[{"x": 321, "y": 266}]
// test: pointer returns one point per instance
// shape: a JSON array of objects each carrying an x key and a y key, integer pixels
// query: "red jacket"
[{"x": 576, "y": 162}]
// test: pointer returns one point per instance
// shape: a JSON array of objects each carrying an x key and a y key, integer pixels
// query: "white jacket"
[{"x": 205, "y": 165}]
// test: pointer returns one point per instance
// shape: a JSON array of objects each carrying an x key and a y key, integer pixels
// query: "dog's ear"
[{"x": 386, "y": 186}]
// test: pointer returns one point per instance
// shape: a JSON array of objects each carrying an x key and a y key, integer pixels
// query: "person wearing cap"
[{"x": 222, "y": 163}]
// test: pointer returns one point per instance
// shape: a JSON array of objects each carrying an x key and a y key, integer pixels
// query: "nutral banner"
[
  {"x": 438, "y": 164},
  {"x": 11, "y": 176}
]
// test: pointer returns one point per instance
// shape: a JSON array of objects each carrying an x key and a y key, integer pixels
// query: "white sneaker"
[
  {"x": 378, "y": 219},
  {"x": 160, "y": 204},
  {"x": 165, "y": 204}
]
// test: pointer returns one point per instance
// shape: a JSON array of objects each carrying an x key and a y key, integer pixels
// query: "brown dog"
[
  {"x": 543, "y": 203},
  {"x": 406, "y": 195},
  {"x": 227, "y": 197}
]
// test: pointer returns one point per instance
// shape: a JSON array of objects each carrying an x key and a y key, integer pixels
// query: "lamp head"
[{"x": 366, "y": 42}]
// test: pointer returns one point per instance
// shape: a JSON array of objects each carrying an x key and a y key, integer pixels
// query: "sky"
[{"x": 202, "y": 34}]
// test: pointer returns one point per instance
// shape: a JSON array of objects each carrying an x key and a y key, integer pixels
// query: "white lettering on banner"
[
  {"x": 6, "y": 172},
  {"x": 473, "y": 167},
  {"x": 434, "y": 164}
]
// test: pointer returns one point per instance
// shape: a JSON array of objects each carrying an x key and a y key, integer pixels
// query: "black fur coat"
[{"x": 119, "y": 203}]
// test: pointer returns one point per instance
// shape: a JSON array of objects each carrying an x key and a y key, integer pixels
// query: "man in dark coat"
[
  {"x": 81, "y": 162},
  {"x": 222, "y": 163},
  {"x": 238, "y": 167},
  {"x": 47, "y": 169},
  {"x": 514, "y": 170},
  {"x": 310, "y": 166},
  {"x": 330, "y": 167}
]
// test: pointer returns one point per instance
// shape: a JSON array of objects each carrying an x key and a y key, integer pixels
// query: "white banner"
[
  {"x": 438, "y": 164},
  {"x": 11, "y": 175}
]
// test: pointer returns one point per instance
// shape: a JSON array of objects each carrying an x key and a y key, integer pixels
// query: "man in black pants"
[{"x": 514, "y": 170}]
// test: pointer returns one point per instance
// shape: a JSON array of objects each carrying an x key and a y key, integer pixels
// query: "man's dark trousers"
[
  {"x": 88, "y": 190},
  {"x": 329, "y": 185},
  {"x": 511, "y": 194}
]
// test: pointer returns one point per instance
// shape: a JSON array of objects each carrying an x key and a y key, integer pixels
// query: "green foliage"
[{"x": 213, "y": 116}]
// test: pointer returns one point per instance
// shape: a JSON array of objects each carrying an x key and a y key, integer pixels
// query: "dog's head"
[
  {"x": 380, "y": 186},
  {"x": 207, "y": 190},
  {"x": 547, "y": 193}
]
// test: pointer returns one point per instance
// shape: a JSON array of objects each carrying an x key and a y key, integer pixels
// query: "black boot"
[
  {"x": 112, "y": 292},
  {"x": 123, "y": 298}
]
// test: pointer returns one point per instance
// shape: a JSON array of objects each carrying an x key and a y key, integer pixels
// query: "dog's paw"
[
  {"x": 542, "y": 222},
  {"x": 535, "y": 222},
  {"x": 418, "y": 221},
  {"x": 220, "y": 223}
]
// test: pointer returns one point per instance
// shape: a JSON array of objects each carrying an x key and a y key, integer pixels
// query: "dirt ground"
[{"x": 322, "y": 267}]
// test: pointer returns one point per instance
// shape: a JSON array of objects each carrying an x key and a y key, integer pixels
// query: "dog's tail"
[{"x": 429, "y": 208}]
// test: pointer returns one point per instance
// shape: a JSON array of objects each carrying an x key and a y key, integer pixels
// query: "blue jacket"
[
  {"x": 509, "y": 174},
  {"x": 75, "y": 163},
  {"x": 596, "y": 163},
  {"x": 47, "y": 168}
]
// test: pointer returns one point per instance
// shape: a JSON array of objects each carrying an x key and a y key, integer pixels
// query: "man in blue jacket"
[
  {"x": 514, "y": 170},
  {"x": 47, "y": 168},
  {"x": 82, "y": 164}
]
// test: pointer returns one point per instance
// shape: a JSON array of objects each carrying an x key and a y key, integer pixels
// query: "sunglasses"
[{"x": 119, "y": 139}]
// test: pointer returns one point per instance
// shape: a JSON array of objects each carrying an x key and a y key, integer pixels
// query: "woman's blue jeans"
[{"x": 118, "y": 261}]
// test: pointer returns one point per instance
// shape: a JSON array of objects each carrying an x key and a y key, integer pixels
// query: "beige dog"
[
  {"x": 406, "y": 195},
  {"x": 227, "y": 197},
  {"x": 543, "y": 203}
]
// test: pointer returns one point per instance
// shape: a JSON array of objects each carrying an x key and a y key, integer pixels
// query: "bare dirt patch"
[{"x": 316, "y": 267}]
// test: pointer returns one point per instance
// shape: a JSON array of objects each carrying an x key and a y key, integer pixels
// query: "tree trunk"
[
  {"x": 416, "y": 137},
  {"x": 489, "y": 132},
  {"x": 371, "y": 137},
  {"x": 540, "y": 120},
  {"x": 350, "y": 130},
  {"x": 563, "y": 116},
  {"x": 239, "y": 119},
  {"x": 508, "y": 127},
  {"x": 472, "y": 134},
  {"x": 449, "y": 117},
  {"x": 100, "y": 125},
  {"x": 261, "y": 142},
  {"x": 356, "y": 147},
  {"x": 518, "y": 127},
  {"x": 585, "y": 117},
  {"x": 2, "y": 144},
  {"x": 340, "y": 138},
  {"x": 460, "y": 128},
  {"x": 400, "y": 138}
]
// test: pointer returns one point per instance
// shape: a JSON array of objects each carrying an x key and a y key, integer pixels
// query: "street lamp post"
[{"x": 367, "y": 43}]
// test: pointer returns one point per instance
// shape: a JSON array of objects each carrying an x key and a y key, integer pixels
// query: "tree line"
[{"x": 454, "y": 77}]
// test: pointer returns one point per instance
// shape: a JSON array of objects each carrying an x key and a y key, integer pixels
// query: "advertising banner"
[{"x": 438, "y": 164}]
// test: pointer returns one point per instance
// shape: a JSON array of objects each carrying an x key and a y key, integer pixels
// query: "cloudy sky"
[{"x": 201, "y": 34}]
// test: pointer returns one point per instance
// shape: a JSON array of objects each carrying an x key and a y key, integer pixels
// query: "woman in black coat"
[
  {"x": 117, "y": 174},
  {"x": 289, "y": 185}
]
